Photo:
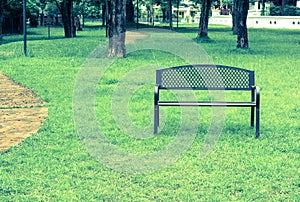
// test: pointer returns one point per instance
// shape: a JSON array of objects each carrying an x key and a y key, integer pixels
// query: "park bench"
[{"x": 207, "y": 77}]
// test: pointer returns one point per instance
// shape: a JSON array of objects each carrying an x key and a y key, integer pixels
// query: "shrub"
[{"x": 288, "y": 11}]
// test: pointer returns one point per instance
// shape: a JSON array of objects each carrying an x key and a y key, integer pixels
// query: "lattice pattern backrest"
[{"x": 205, "y": 77}]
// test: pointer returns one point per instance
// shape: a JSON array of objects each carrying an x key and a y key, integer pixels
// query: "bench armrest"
[
  {"x": 256, "y": 94},
  {"x": 156, "y": 94},
  {"x": 257, "y": 89}
]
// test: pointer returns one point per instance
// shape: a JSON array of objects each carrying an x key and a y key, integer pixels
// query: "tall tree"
[
  {"x": 42, "y": 4},
  {"x": 13, "y": 8},
  {"x": 166, "y": 9},
  {"x": 234, "y": 17},
  {"x": 116, "y": 28},
  {"x": 129, "y": 11},
  {"x": 151, "y": 12},
  {"x": 170, "y": 15},
  {"x": 203, "y": 23},
  {"x": 2, "y": 4},
  {"x": 66, "y": 9},
  {"x": 242, "y": 7},
  {"x": 103, "y": 14}
]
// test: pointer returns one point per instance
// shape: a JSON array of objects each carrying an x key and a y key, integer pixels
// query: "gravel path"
[{"x": 21, "y": 112}]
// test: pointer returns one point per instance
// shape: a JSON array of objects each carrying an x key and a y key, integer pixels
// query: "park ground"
[
  {"x": 54, "y": 165},
  {"x": 22, "y": 111}
]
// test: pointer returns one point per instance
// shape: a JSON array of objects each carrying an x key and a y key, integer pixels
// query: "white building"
[{"x": 187, "y": 12}]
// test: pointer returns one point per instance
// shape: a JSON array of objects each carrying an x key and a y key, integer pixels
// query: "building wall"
[{"x": 286, "y": 22}]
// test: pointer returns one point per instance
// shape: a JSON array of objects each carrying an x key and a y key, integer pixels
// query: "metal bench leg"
[
  {"x": 257, "y": 122},
  {"x": 156, "y": 118},
  {"x": 252, "y": 117},
  {"x": 252, "y": 108},
  {"x": 156, "y": 109},
  {"x": 257, "y": 112}
]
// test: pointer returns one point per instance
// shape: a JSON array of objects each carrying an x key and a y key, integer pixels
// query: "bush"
[
  {"x": 291, "y": 11},
  {"x": 275, "y": 10},
  {"x": 288, "y": 11}
]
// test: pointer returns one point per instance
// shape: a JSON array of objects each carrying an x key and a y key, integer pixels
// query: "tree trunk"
[
  {"x": 2, "y": 4},
  {"x": 163, "y": 10},
  {"x": 42, "y": 18},
  {"x": 1, "y": 22},
  {"x": 170, "y": 14},
  {"x": 103, "y": 14},
  {"x": 203, "y": 23},
  {"x": 130, "y": 11},
  {"x": 66, "y": 10},
  {"x": 282, "y": 7},
  {"x": 242, "y": 12},
  {"x": 117, "y": 28},
  {"x": 151, "y": 14},
  {"x": 106, "y": 18},
  {"x": 83, "y": 20},
  {"x": 234, "y": 18},
  {"x": 263, "y": 13}
]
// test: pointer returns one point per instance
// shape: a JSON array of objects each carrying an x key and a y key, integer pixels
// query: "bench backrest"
[{"x": 203, "y": 77}]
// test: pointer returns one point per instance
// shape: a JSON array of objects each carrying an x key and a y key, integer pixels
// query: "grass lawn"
[{"x": 54, "y": 164}]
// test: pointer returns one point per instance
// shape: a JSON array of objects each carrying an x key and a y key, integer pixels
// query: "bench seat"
[{"x": 208, "y": 104}]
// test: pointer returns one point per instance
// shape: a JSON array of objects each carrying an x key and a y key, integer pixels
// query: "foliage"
[
  {"x": 227, "y": 3},
  {"x": 90, "y": 8},
  {"x": 14, "y": 8},
  {"x": 51, "y": 9},
  {"x": 53, "y": 165},
  {"x": 291, "y": 11},
  {"x": 288, "y": 10},
  {"x": 32, "y": 12}
]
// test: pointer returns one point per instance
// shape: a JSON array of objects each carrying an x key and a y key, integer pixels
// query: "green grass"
[{"x": 54, "y": 165}]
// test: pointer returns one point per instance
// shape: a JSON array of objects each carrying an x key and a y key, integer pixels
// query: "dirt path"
[
  {"x": 131, "y": 36},
  {"x": 21, "y": 112}
]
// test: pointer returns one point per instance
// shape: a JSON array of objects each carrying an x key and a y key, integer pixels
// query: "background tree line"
[{"x": 120, "y": 12}]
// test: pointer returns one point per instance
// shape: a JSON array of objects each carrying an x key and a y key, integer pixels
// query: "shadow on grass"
[
  {"x": 195, "y": 29},
  {"x": 31, "y": 36},
  {"x": 37, "y": 35},
  {"x": 204, "y": 40},
  {"x": 93, "y": 27}
]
